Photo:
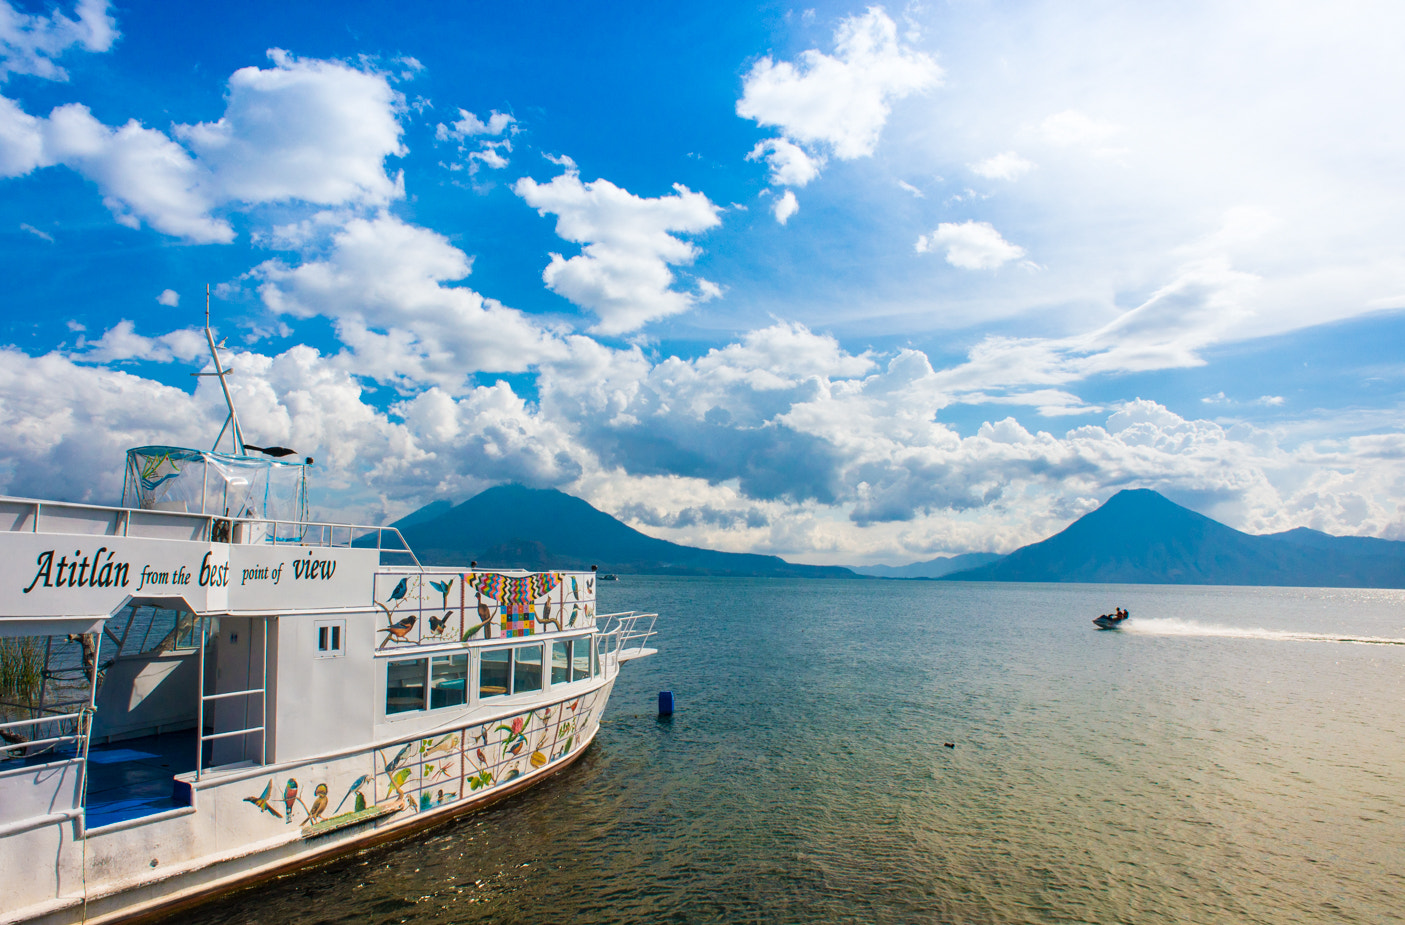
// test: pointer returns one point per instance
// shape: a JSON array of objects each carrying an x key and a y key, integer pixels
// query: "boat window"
[
  {"x": 527, "y": 669},
  {"x": 599, "y": 652},
  {"x": 448, "y": 680},
  {"x": 494, "y": 672},
  {"x": 330, "y": 634},
  {"x": 561, "y": 662},
  {"x": 580, "y": 665},
  {"x": 404, "y": 685}
]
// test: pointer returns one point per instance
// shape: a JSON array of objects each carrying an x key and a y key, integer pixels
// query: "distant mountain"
[
  {"x": 1138, "y": 536},
  {"x": 932, "y": 568},
  {"x": 512, "y": 526}
]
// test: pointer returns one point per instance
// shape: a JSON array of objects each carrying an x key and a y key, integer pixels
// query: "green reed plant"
[{"x": 21, "y": 669}]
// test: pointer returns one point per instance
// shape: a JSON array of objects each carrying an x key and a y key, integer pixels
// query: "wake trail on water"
[{"x": 1173, "y": 626}]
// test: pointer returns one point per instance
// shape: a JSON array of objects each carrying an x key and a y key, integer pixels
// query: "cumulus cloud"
[
  {"x": 311, "y": 131},
  {"x": 32, "y": 44},
  {"x": 790, "y": 164},
  {"x": 122, "y": 342},
  {"x": 628, "y": 243},
  {"x": 469, "y": 125},
  {"x": 142, "y": 174},
  {"x": 786, "y": 206},
  {"x": 781, "y": 441},
  {"x": 489, "y": 152},
  {"x": 169, "y": 297},
  {"x": 308, "y": 130},
  {"x": 839, "y": 101},
  {"x": 970, "y": 245},
  {"x": 1006, "y": 166},
  {"x": 386, "y": 285}
]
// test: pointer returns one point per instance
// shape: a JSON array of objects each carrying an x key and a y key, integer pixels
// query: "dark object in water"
[
  {"x": 949, "y": 744},
  {"x": 1109, "y": 621},
  {"x": 665, "y": 703}
]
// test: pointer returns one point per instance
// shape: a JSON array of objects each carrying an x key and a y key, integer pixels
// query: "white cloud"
[
  {"x": 21, "y": 140},
  {"x": 786, "y": 206},
  {"x": 169, "y": 298},
  {"x": 790, "y": 165},
  {"x": 311, "y": 131},
  {"x": 970, "y": 245},
  {"x": 840, "y": 101},
  {"x": 489, "y": 152},
  {"x": 121, "y": 342},
  {"x": 385, "y": 284},
  {"x": 142, "y": 174},
  {"x": 41, "y": 235},
  {"x": 469, "y": 125},
  {"x": 31, "y": 44},
  {"x": 1006, "y": 166},
  {"x": 622, "y": 273},
  {"x": 308, "y": 130}
]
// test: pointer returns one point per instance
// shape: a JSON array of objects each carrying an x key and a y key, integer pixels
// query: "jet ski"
[{"x": 1110, "y": 621}]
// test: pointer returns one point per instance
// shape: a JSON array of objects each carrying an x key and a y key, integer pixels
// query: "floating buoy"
[{"x": 665, "y": 703}]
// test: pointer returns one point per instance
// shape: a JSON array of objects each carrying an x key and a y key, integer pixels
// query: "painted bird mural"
[
  {"x": 290, "y": 796},
  {"x": 397, "y": 631},
  {"x": 437, "y": 624},
  {"x": 356, "y": 786},
  {"x": 261, "y": 801},
  {"x": 575, "y": 589},
  {"x": 396, "y": 595},
  {"x": 399, "y": 758},
  {"x": 443, "y": 588},
  {"x": 319, "y": 805},
  {"x": 485, "y": 622}
]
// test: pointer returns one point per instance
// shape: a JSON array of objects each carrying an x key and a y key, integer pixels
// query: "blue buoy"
[{"x": 665, "y": 703}]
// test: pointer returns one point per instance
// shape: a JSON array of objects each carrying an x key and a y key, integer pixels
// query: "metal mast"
[{"x": 220, "y": 372}]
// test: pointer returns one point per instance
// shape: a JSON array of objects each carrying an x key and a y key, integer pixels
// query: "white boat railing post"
[{"x": 200, "y": 704}]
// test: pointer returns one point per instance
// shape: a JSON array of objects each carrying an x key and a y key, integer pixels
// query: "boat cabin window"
[
  {"x": 494, "y": 672},
  {"x": 561, "y": 662},
  {"x": 580, "y": 663},
  {"x": 448, "y": 681},
  {"x": 509, "y": 670},
  {"x": 527, "y": 669},
  {"x": 404, "y": 685},
  {"x": 330, "y": 634}
]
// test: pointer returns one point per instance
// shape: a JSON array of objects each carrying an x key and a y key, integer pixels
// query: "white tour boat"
[{"x": 201, "y": 688}]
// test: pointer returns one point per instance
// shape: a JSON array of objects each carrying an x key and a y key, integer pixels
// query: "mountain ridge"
[
  {"x": 513, "y": 526},
  {"x": 1139, "y": 536}
]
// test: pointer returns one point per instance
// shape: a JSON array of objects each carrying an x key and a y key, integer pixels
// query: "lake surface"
[{"x": 1230, "y": 754}]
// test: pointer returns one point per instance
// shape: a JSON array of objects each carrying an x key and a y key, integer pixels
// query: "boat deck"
[{"x": 133, "y": 778}]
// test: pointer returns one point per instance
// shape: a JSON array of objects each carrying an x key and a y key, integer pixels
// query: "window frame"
[{"x": 335, "y": 636}]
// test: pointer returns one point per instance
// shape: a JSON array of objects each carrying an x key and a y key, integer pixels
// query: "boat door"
[{"x": 233, "y": 692}]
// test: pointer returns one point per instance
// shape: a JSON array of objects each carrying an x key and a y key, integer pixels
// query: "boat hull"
[{"x": 129, "y": 890}]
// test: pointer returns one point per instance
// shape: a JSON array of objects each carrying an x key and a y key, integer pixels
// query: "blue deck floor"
[{"x": 133, "y": 778}]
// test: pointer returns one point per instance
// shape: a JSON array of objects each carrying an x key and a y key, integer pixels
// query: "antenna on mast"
[{"x": 220, "y": 372}]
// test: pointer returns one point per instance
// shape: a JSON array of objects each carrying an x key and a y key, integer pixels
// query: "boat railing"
[
  {"x": 56, "y": 718},
  {"x": 24, "y": 515},
  {"x": 624, "y": 636}
]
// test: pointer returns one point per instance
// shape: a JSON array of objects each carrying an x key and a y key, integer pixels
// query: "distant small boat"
[
  {"x": 1110, "y": 621},
  {"x": 609, "y": 577}
]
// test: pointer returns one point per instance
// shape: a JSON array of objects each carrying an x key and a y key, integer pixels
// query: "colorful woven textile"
[{"x": 516, "y": 597}]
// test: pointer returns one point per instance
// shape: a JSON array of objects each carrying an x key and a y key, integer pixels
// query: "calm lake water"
[{"x": 1231, "y": 754}]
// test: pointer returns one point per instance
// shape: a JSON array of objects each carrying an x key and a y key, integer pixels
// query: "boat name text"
[
  {"x": 101, "y": 570},
  {"x": 94, "y": 573}
]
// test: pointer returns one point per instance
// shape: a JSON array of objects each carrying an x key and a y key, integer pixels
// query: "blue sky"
[{"x": 845, "y": 284}]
